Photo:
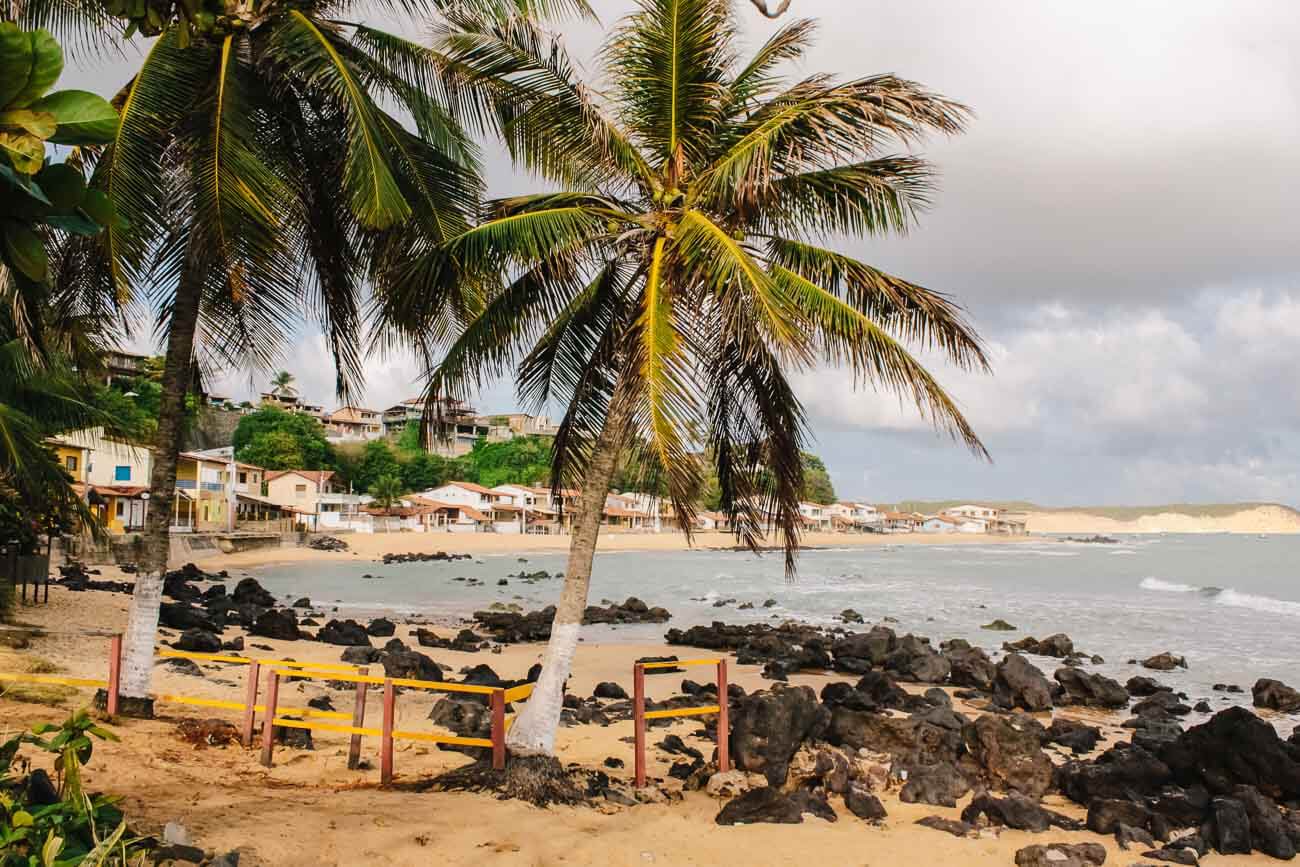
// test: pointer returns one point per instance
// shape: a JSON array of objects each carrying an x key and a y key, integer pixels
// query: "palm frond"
[
  {"x": 669, "y": 62},
  {"x": 911, "y": 312},
  {"x": 509, "y": 76},
  {"x": 874, "y": 197},
  {"x": 851, "y": 338},
  {"x": 817, "y": 124},
  {"x": 714, "y": 259},
  {"x": 314, "y": 54}
]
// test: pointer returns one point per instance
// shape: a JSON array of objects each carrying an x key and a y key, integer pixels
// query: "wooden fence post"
[
  {"x": 114, "y": 674},
  {"x": 638, "y": 720},
  {"x": 386, "y": 735},
  {"x": 724, "y": 724},
  {"x": 250, "y": 704},
  {"x": 358, "y": 720},
  {"x": 268, "y": 718},
  {"x": 499, "y": 730}
]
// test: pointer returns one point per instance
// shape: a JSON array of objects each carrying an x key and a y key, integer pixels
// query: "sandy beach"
[
  {"x": 372, "y": 546},
  {"x": 310, "y": 810}
]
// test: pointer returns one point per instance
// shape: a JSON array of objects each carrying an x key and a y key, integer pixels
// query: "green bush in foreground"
[{"x": 70, "y": 827}]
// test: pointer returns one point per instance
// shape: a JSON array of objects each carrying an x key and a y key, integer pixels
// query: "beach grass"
[{"x": 51, "y": 694}]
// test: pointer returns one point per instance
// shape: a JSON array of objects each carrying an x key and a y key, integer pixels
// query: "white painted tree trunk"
[
  {"x": 533, "y": 732},
  {"x": 141, "y": 632}
]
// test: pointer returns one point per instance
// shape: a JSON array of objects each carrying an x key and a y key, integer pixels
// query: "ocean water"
[{"x": 1229, "y": 603}]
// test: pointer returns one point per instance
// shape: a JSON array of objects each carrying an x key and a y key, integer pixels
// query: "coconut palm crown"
[{"x": 675, "y": 282}]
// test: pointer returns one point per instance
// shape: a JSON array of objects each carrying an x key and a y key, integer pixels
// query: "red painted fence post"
[
  {"x": 724, "y": 723},
  {"x": 499, "y": 729},
  {"x": 386, "y": 736},
  {"x": 638, "y": 720},
  {"x": 268, "y": 719},
  {"x": 250, "y": 704},
  {"x": 114, "y": 674},
  {"x": 358, "y": 720}
]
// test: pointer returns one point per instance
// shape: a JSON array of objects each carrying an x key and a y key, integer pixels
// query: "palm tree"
[
  {"x": 664, "y": 295},
  {"x": 282, "y": 384},
  {"x": 386, "y": 490},
  {"x": 258, "y": 176}
]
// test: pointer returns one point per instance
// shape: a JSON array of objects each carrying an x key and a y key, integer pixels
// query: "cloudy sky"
[{"x": 1121, "y": 222}]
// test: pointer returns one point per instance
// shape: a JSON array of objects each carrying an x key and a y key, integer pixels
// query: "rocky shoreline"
[{"x": 1170, "y": 791}]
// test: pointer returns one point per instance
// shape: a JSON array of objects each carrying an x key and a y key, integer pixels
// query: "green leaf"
[
  {"x": 74, "y": 224},
  {"x": 39, "y": 123},
  {"x": 25, "y": 251},
  {"x": 98, "y": 207},
  {"x": 26, "y": 152},
  {"x": 47, "y": 65},
  {"x": 24, "y": 183},
  {"x": 63, "y": 185},
  {"x": 15, "y": 61},
  {"x": 21, "y": 819},
  {"x": 81, "y": 117}
]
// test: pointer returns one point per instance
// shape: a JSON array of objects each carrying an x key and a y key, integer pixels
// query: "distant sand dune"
[{"x": 1216, "y": 518}]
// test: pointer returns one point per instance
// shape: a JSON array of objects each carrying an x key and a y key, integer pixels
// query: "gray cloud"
[{"x": 1120, "y": 220}]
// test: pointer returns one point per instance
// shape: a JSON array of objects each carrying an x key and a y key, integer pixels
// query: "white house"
[
  {"x": 938, "y": 524},
  {"x": 467, "y": 494},
  {"x": 856, "y": 515},
  {"x": 983, "y": 513},
  {"x": 815, "y": 516}
]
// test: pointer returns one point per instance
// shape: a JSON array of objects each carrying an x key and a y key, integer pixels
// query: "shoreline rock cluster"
[
  {"x": 514, "y": 627},
  {"x": 418, "y": 557}
]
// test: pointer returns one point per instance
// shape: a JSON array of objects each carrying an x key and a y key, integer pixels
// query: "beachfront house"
[
  {"x": 938, "y": 524},
  {"x": 1009, "y": 525},
  {"x": 712, "y": 522},
  {"x": 623, "y": 514},
  {"x": 815, "y": 516},
  {"x": 900, "y": 522},
  {"x": 854, "y": 516},
  {"x": 111, "y": 473},
  {"x": 990, "y": 518},
  {"x": 315, "y": 496},
  {"x": 468, "y": 494}
]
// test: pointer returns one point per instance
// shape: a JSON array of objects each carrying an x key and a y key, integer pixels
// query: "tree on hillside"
[
  {"x": 282, "y": 384},
  {"x": 424, "y": 471},
  {"x": 377, "y": 460},
  {"x": 518, "y": 461},
  {"x": 279, "y": 440},
  {"x": 817, "y": 486},
  {"x": 665, "y": 292}
]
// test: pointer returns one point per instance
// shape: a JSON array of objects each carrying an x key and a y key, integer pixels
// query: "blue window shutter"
[{"x": 122, "y": 473}]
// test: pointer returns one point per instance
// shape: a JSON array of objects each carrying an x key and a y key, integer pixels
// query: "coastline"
[{"x": 367, "y": 546}]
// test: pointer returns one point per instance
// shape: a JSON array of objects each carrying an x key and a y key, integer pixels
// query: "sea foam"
[
  {"x": 1257, "y": 603},
  {"x": 1152, "y": 583},
  {"x": 1226, "y": 596}
]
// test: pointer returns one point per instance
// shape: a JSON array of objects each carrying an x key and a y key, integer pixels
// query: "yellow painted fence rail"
[{"x": 276, "y": 715}]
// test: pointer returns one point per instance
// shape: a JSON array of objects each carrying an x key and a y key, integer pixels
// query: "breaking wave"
[{"x": 1226, "y": 596}]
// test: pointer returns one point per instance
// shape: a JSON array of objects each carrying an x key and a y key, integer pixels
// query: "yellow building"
[{"x": 72, "y": 457}]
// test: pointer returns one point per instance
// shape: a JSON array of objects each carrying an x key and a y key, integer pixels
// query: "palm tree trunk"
[
  {"x": 142, "y": 626},
  {"x": 533, "y": 732}
]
